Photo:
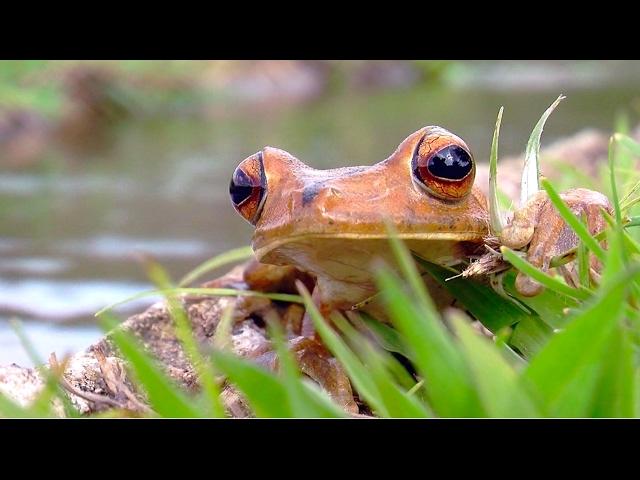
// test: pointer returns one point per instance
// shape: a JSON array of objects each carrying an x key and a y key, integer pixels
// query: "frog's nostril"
[{"x": 248, "y": 187}]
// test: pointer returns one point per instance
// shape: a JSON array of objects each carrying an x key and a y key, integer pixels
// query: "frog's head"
[{"x": 317, "y": 219}]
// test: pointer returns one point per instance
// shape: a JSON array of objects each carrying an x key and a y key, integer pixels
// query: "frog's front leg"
[{"x": 539, "y": 225}]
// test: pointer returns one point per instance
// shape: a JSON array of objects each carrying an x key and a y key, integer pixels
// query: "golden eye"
[
  {"x": 248, "y": 187},
  {"x": 445, "y": 169}
]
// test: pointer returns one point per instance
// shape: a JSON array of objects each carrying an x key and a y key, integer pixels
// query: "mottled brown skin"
[{"x": 331, "y": 223}]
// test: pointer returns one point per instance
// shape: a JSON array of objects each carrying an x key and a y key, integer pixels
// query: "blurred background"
[{"x": 101, "y": 160}]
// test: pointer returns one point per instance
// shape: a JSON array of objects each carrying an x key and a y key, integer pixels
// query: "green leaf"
[
  {"x": 530, "y": 336},
  {"x": 531, "y": 170},
  {"x": 500, "y": 390}
]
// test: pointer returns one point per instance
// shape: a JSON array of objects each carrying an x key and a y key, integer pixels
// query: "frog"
[
  {"x": 332, "y": 224},
  {"x": 328, "y": 230}
]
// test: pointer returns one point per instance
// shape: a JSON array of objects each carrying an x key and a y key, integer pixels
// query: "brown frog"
[{"x": 331, "y": 223}]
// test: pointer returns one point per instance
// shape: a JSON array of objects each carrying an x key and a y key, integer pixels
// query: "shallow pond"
[{"x": 70, "y": 231}]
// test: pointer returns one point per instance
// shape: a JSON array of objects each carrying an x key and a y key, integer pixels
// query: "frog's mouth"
[{"x": 312, "y": 240}]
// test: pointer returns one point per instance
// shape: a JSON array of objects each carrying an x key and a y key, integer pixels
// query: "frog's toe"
[{"x": 317, "y": 363}]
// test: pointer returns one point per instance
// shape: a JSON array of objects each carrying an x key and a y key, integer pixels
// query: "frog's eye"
[
  {"x": 446, "y": 171},
  {"x": 248, "y": 187}
]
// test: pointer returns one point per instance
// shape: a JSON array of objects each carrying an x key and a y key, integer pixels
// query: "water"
[{"x": 71, "y": 231}]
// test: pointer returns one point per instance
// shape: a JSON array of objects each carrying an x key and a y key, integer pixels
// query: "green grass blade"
[
  {"x": 546, "y": 280},
  {"x": 531, "y": 170},
  {"x": 231, "y": 256},
  {"x": 495, "y": 213},
  {"x": 10, "y": 409},
  {"x": 218, "y": 292},
  {"x": 549, "y": 305},
  {"x": 303, "y": 403},
  {"x": 357, "y": 372},
  {"x": 447, "y": 378},
  {"x": 628, "y": 142},
  {"x": 52, "y": 387},
  {"x": 485, "y": 304},
  {"x": 264, "y": 392},
  {"x": 574, "y": 222},
  {"x": 530, "y": 336},
  {"x": 397, "y": 401},
  {"x": 387, "y": 337},
  {"x": 166, "y": 398},
  {"x": 410, "y": 272},
  {"x": 501, "y": 392},
  {"x": 184, "y": 333},
  {"x": 616, "y": 388},
  {"x": 563, "y": 372}
]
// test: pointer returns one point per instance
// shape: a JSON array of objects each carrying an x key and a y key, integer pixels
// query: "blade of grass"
[
  {"x": 52, "y": 388},
  {"x": 498, "y": 383},
  {"x": 485, "y": 304},
  {"x": 495, "y": 213},
  {"x": 184, "y": 333},
  {"x": 447, "y": 378},
  {"x": 264, "y": 392},
  {"x": 303, "y": 403},
  {"x": 410, "y": 271},
  {"x": 546, "y": 280},
  {"x": 165, "y": 397},
  {"x": 10, "y": 409},
  {"x": 387, "y": 337},
  {"x": 357, "y": 372},
  {"x": 220, "y": 292},
  {"x": 574, "y": 222},
  {"x": 616, "y": 389},
  {"x": 531, "y": 170},
  {"x": 564, "y": 369},
  {"x": 397, "y": 401},
  {"x": 231, "y": 256}
]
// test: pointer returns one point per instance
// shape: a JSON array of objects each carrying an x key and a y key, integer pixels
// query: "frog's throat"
[{"x": 470, "y": 236}]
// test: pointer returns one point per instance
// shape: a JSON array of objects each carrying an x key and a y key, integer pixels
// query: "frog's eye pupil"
[
  {"x": 446, "y": 170},
  {"x": 248, "y": 187},
  {"x": 240, "y": 188},
  {"x": 451, "y": 163}
]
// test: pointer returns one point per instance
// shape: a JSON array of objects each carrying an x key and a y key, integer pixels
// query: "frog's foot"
[
  {"x": 317, "y": 363},
  {"x": 539, "y": 226},
  {"x": 313, "y": 359}
]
